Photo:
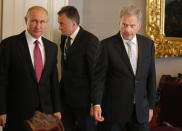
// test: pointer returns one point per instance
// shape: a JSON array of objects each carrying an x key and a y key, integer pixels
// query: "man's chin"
[
  {"x": 65, "y": 34},
  {"x": 128, "y": 37},
  {"x": 37, "y": 35}
]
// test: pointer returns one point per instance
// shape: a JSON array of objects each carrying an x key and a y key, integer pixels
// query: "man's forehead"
[
  {"x": 129, "y": 19},
  {"x": 38, "y": 11}
]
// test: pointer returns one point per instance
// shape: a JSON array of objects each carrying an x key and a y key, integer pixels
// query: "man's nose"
[
  {"x": 38, "y": 25},
  {"x": 128, "y": 28},
  {"x": 60, "y": 27}
]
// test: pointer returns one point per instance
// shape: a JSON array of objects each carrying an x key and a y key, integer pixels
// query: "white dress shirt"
[
  {"x": 73, "y": 36},
  {"x": 134, "y": 40},
  {"x": 31, "y": 46}
]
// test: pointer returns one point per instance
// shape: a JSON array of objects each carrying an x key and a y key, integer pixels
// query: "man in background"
[
  {"x": 29, "y": 79},
  {"x": 125, "y": 79},
  {"x": 79, "y": 49}
]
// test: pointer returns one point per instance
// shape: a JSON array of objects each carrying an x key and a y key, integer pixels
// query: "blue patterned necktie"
[{"x": 132, "y": 55}]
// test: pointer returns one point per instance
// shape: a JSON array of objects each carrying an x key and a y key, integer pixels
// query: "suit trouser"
[
  {"x": 78, "y": 119},
  {"x": 131, "y": 125}
]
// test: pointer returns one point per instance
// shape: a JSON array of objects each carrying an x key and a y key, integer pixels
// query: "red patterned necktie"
[{"x": 38, "y": 61}]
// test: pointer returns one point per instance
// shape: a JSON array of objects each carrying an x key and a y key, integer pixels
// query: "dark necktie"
[
  {"x": 38, "y": 63},
  {"x": 68, "y": 44}
]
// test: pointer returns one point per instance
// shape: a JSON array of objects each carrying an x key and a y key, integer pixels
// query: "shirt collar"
[
  {"x": 74, "y": 34},
  {"x": 134, "y": 40},
  {"x": 31, "y": 39}
]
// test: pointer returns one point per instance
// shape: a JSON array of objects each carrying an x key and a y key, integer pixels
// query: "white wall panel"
[
  {"x": 18, "y": 22},
  {"x": 8, "y": 16}
]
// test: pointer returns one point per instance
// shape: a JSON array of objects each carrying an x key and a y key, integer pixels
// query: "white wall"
[
  {"x": 101, "y": 17},
  {"x": 79, "y": 6}
]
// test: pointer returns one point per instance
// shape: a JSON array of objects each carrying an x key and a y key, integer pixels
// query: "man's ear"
[
  {"x": 120, "y": 23},
  {"x": 25, "y": 20},
  {"x": 74, "y": 23},
  {"x": 139, "y": 26}
]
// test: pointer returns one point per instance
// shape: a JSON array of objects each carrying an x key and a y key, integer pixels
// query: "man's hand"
[
  {"x": 3, "y": 120},
  {"x": 58, "y": 115},
  {"x": 150, "y": 114},
  {"x": 97, "y": 114},
  {"x": 92, "y": 111}
]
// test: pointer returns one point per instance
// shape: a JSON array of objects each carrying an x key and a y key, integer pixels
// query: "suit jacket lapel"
[
  {"x": 78, "y": 38},
  {"x": 76, "y": 41},
  {"x": 25, "y": 53},
  {"x": 74, "y": 44},
  {"x": 63, "y": 39},
  {"x": 47, "y": 58},
  {"x": 140, "y": 53},
  {"x": 121, "y": 50}
]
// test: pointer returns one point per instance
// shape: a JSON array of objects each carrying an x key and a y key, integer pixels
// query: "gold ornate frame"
[{"x": 155, "y": 19}]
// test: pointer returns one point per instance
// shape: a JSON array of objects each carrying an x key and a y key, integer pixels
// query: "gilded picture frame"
[{"x": 155, "y": 20}]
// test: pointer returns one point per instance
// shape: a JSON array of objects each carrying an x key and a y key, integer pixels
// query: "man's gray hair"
[{"x": 131, "y": 11}]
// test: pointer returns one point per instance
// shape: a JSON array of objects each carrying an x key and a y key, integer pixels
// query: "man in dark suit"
[
  {"x": 78, "y": 48},
  {"x": 29, "y": 80},
  {"x": 124, "y": 84}
]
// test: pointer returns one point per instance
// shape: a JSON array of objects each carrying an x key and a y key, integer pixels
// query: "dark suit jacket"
[
  {"x": 18, "y": 85},
  {"x": 114, "y": 77},
  {"x": 77, "y": 69},
  {"x": 1, "y": 59}
]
